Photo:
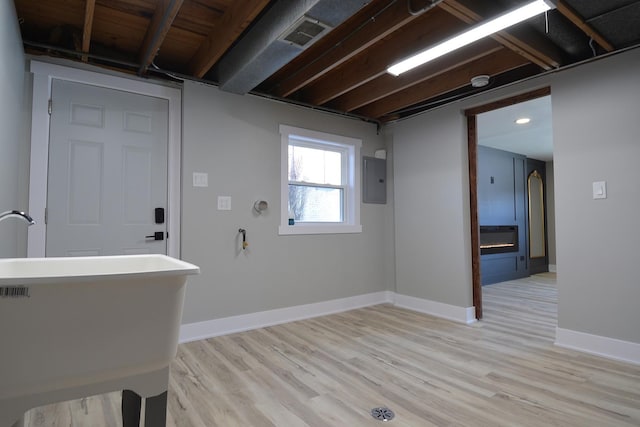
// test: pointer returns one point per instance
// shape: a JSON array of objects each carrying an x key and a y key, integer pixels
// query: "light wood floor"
[{"x": 330, "y": 371}]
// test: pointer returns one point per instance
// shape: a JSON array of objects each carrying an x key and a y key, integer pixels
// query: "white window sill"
[{"x": 318, "y": 229}]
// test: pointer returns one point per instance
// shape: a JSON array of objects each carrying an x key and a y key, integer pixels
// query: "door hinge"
[
  {"x": 46, "y": 212},
  {"x": 50, "y": 107}
]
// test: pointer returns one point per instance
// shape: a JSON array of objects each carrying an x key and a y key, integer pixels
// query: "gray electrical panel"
[{"x": 374, "y": 180}]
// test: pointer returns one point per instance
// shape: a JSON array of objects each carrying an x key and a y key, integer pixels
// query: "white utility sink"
[{"x": 75, "y": 327}]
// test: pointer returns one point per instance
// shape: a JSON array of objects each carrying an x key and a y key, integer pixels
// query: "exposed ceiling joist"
[
  {"x": 496, "y": 63},
  {"x": 234, "y": 21},
  {"x": 579, "y": 22},
  {"x": 342, "y": 65},
  {"x": 89, "y": 9},
  {"x": 533, "y": 48},
  {"x": 427, "y": 29},
  {"x": 387, "y": 84},
  {"x": 368, "y": 27},
  {"x": 163, "y": 18},
  {"x": 280, "y": 35}
]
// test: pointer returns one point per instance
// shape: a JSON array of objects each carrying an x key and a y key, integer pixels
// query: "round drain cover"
[{"x": 382, "y": 414}]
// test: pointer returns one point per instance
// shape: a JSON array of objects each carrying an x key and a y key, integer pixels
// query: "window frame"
[{"x": 351, "y": 197}]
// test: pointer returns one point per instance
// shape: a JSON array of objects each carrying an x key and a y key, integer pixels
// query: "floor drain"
[{"x": 382, "y": 414}]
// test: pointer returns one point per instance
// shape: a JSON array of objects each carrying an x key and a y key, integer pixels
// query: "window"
[{"x": 320, "y": 182}]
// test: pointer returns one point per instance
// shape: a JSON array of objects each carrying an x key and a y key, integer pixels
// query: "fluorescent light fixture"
[
  {"x": 523, "y": 120},
  {"x": 476, "y": 33}
]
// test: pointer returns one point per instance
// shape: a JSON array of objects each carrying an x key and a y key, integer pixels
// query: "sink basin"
[{"x": 74, "y": 327}]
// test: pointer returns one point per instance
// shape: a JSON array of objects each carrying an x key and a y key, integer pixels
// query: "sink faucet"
[{"x": 17, "y": 214}]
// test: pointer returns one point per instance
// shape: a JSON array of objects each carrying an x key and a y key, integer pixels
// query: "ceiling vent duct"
[
  {"x": 304, "y": 31},
  {"x": 282, "y": 33}
]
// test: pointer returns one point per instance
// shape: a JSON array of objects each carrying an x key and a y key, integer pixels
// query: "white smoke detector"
[{"x": 480, "y": 81}]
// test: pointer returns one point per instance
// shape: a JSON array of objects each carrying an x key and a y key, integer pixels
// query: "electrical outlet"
[
  {"x": 224, "y": 203},
  {"x": 200, "y": 179}
]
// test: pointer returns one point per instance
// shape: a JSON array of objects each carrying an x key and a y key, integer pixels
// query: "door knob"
[{"x": 158, "y": 235}]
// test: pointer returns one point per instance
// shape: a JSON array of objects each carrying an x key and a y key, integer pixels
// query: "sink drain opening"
[{"x": 382, "y": 414}]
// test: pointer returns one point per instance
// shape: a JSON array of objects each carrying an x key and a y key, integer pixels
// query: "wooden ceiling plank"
[
  {"x": 579, "y": 22},
  {"x": 163, "y": 17},
  {"x": 233, "y": 22},
  {"x": 493, "y": 64},
  {"x": 178, "y": 48},
  {"x": 198, "y": 17},
  {"x": 423, "y": 31},
  {"x": 538, "y": 51},
  {"x": 141, "y": 8},
  {"x": 117, "y": 32},
  {"x": 387, "y": 84},
  {"x": 89, "y": 9},
  {"x": 371, "y": 29}
]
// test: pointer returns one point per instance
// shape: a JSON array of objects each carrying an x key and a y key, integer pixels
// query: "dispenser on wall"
[{"x": 260, "y": 206}]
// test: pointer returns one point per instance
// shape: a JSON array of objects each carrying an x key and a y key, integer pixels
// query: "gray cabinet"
[{"x": 374, "y": 180}]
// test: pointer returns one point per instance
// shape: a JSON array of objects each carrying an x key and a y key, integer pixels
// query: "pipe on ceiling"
[{"x": 262, "y": 51}]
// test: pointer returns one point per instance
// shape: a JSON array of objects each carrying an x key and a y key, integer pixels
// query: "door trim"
[
  {"x": 472, "y": 141},
  {"x": 43, "y": 75}
]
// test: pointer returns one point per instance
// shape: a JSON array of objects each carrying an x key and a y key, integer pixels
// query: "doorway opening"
[{"x": 486, "y": 266}]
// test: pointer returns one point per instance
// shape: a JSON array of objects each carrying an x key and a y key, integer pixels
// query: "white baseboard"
[
  {"x": 446, "y": 311},
  {"x": 610, "y": 348},
  {"x": 229, "y": 325},
  {"x": 553, "y": 268},
  {"x": 245, "y": 322}
]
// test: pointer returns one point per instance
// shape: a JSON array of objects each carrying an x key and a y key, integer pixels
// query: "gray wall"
[
  {"x": 433, "y": 244},
  {"x": 12, "y": 132},
  {"x": 236, "y": 140},
  {"x": 596, "y": 128}
]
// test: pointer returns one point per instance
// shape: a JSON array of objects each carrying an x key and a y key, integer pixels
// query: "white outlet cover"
[
  {"x": 224, "y": 203},
  {"x": 200, "y": 179}
]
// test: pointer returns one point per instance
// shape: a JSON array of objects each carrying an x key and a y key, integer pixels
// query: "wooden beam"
[
  {"x": 233, "y": 22},
  {"x": 507, "y": 102},
  {"x": 89, "y": 9},
  {"x": 496, "y": 63},
  {"x": 371, "y": 27},
  {"x": 579, "y": 22},
  {"x": 324, "y": 45},
  {"x": 165, "y": 13},
  {"x": 530, "y": 45},
  {"x": 387, "y": 84},
  {"x": 472, "y": 150},
  {"x": 427, "y": 29}
]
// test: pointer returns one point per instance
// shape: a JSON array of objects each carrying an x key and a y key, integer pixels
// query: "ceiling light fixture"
[
  {"x": 523, "y": 121},
  {"x": 478, "y": 32}
]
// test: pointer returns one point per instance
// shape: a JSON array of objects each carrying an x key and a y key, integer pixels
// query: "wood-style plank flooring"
[{"x": 332, "y": 370}]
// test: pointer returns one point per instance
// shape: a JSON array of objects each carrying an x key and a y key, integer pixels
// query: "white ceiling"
[{"x": 497, "y": 129}]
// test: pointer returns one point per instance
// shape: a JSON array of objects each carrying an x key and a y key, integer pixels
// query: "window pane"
[
  {"x": 315, "y": 165},
  {"x": 313, "y": 204}
]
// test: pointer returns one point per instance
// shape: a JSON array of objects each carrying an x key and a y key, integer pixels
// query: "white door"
[{"x": 107, "y": 174}]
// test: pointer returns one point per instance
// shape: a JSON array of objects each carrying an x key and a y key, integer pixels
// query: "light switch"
[
  {"x": 600, "y": 190},
  {"x": 224, "y": 203},
  {"x": 200, "y": 179}
]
